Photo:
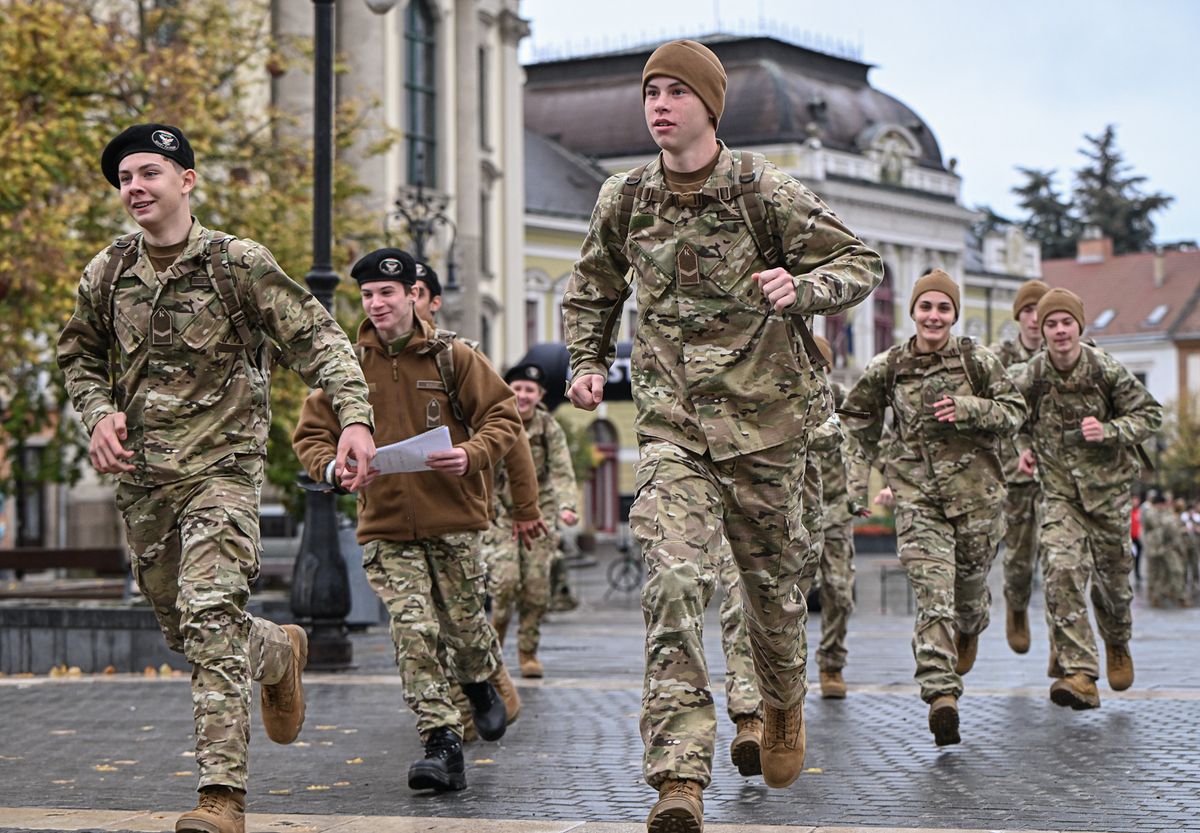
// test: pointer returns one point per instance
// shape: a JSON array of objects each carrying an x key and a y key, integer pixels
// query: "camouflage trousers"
[
  {"x": 434, "y": 590},
  {"x": 1077, "y": 547},
  {"x": 1022, "y": 511},
  {"x": 1165, "y": 572},
  {"x": 194, "y": 550},
  {"x": 837, "y": 595},
  {"x": 741, "y": 687},
  {"x": 684, "y": 503},
  {"x": 947, "y": 561},
  {"x": 519, "y": 577}
]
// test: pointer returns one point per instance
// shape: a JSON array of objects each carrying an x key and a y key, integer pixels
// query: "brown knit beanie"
[
  {"x": 1061, "y": 300},
  {"x": 826, "y": 350},
  {"x": 938, "y": 281},
  {"x": 1030, "y": 293},
  {"x": 695, "y": 65}
]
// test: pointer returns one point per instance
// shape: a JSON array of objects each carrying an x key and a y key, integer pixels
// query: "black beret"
[
  {"x": 426, "y": 275},
  {"x": 526, "y": 372},
  {"x": 162, "y": 139},
  {"x": 385, "y": 265}
]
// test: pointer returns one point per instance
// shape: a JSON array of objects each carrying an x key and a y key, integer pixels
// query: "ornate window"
[{"x": 420, "y": 91}]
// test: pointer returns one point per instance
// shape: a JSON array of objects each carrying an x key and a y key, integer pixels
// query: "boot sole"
[
  {"x": 1119, "y": 685},
  {"x": 746, "y": 757},
  {"x": 431, "y": 777},
  {"x": 674, "y": 820},
  {"x": 201, "y": 826},
  {"x": 1067, "y": 697},
  {"x": 944, "y": 725},
  {"x": 835, "y": 694}
]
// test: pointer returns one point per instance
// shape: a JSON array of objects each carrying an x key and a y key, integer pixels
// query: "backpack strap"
[
  {"x": 972, "y": 365},
  {"x": 629, "y": 190},
  {"x": 217, "y": 257},
  {"x": 121, "y": 256},
  {"x": 443, "y": 356}
]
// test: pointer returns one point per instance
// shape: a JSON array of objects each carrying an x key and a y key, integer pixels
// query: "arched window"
[{"x": 420, "y": 91}]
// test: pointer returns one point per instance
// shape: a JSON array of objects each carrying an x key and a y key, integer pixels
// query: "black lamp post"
[{"x": 320, "y": 581}]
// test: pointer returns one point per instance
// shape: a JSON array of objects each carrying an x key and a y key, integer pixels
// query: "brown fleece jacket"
[{"x": 408, "y": 397}]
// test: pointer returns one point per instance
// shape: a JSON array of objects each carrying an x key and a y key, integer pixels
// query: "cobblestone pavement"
[{"x": 123, "y": 743}]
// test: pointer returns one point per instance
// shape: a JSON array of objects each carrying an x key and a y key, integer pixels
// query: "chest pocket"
[
  {"x": 728, "y": 255},
  {"x": 200, "y": 321},
  {"x": 131, "y": 326}
]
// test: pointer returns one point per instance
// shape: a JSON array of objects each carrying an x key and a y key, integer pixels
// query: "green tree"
[
  {"x": 1179, "y": 460},
  {"x": 75, "y": 72},
  {"x": 1049, "y": 219},
  {"x": 1109, "y": 197}
]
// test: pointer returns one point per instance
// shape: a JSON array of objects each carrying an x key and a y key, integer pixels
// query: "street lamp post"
[
  {"x": 320, "y": 580},
  {"x": 423, "y": 213}
]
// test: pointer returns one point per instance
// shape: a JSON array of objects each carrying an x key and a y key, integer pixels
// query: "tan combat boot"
[
  {"x": 531, "y": 666},
  {"x": 283, "y": 702},
  {"x": 744, "y": 751},
  {"x": 219, "y": 810},
  {"x": 1016, "y": 629},
  {"x": 1077, "y": 691},
  {"x": 507, "y": 691},
  {"x": 679, "y": 809},
  {"x": 833, "y": 687},
  {"x": 1119, "y": 665},
  {"x": 783, "y": 741},
  {"x": 943, "y": 720},
  {"x": 967, "y": 645}
]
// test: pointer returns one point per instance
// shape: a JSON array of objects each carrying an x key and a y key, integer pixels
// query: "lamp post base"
[{"x": 329, "y": 645}]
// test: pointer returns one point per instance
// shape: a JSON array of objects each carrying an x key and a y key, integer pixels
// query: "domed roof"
[{"x": 777, "y": 92}]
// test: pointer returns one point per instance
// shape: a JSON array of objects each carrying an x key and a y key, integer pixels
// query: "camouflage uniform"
[
  {"x": 196, "y": 405},
  {"x": 1087, "y": 503},
  {"x": 1163, "y": 545},
  {"x": 433, "y": 589},
  {"x": 519, "y": 575},
  {"x": 741, "y": 688},
  {"x": 1023, "y": 505},
  {"x": 948, "y": 483},
  {"x": 722, "y": 446},
  {"x": 837, "y": 551}
]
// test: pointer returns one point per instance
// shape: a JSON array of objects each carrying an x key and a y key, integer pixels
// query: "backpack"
[
  {"x": 122, "y": 254},
  {"x": 972, "y": 366},
  {"x": 750, "y": 200},
  {"x": 1093, "y": 379}
]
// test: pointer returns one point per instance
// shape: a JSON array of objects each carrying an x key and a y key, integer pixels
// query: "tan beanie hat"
[
  {"x": 1030, "y": 293},
  {"x": 1061, "y": 300},
  {"x": 938, "y": 281},
  {"x": 826, "y": 350},
  {"x": 695, "y": 65}
]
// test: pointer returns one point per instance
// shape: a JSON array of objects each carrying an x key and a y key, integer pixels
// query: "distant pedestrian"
[
  {"x": 952, "y": 402},
  {"x": 168, "y": 360},
  {"x": 725, "y": 403},
  {"x": 421, "y": 531},
  {"x": 1087, "y": 415}
]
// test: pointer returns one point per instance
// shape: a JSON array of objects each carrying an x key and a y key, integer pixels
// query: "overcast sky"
[{"x": 1000, "y": 84}]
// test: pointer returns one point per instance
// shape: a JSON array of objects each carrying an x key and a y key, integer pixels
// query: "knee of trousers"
[
  {"x": 212, "y": 634},
  {"x": 673, "y": 598}
]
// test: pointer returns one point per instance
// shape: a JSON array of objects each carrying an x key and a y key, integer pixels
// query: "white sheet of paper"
[{"x": 410, "y": 454}]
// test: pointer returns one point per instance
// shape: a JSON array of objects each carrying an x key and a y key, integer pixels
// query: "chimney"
[
  {"x": 1160, "y": 267},
  {"x": 1093, "y": 247}
]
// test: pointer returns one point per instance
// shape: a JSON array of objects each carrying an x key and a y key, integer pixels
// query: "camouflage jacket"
[
  {"x": 714, "y": 367},
  {"x": 1070, "y": 467},
  {"x": 194, "y": 400},
  {"x": 954, "y": 464},
  {"x": 1013, "y": 355},
  {"x": 1161, "y": 531},
  {"x": 557, "y": 490}
]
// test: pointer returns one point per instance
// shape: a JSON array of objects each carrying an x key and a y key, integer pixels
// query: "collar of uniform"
[
  {"x": 721, "y": 176},
  {"x": 369, "y": 337},
  {"x": 187, "y": 262},
  {"x": 950, "y": 348}
]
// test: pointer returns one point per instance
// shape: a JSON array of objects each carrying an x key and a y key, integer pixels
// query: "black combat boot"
[
  {"x": 442, "y": 768},
  {"x": 487, "y": 709}
]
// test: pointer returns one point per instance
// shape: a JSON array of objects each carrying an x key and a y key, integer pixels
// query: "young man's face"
[
  {"x": 1062, "y": 333},
  {"x": 934, "y": 315},
  {"x": 675, "y": 115},
  {"x": 1031, "y": 333},
  {"x": 389, "y": 305},
  {"x": 529, "y": 396},
  {"x": 426, "y": 305},
  {"x": 154, "y": 189}
]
